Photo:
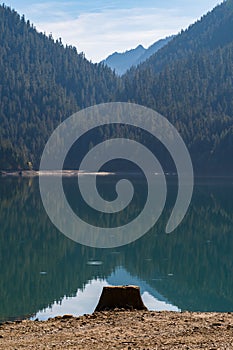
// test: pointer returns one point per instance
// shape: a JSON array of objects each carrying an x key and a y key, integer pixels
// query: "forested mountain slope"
[
  {"x": 41, "y": 83},
  {"x": 190, "y": 82}
]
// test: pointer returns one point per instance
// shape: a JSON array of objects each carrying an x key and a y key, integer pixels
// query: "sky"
[{"x": 100, "y": 27}]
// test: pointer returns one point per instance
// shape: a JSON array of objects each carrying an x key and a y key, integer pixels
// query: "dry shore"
[
  {"x": 64, "y": 173},
  {"x": 122, "y": 330}
]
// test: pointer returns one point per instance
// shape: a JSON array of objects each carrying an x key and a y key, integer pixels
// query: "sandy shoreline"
[
  {"x": 73, "y": 173},
  {"x": 122, "y": 330},
  {"x": 66, "y": 173}
]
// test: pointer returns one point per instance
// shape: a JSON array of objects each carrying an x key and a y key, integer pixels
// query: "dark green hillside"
[
  {"x": 196, "y": 94},
  {"x": 191, "y": 83},
  {"x": 41, "y": 83}
]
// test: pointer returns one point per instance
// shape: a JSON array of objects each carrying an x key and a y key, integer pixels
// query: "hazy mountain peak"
[
  {"x": 213, "y": 30},
  {"x": 121, "y": 62}
]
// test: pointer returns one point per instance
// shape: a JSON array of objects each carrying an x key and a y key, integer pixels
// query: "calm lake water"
[{"x": 44, "y": 274}]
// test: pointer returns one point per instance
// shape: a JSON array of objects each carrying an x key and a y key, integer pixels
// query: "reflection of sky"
[
  {"x": 86, "y": 300},
  {"x": 100, "y": 27},
  {"x": 151, "y": 298},
  {"x": 154, "y": 304}
]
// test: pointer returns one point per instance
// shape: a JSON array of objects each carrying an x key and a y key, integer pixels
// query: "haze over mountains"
[
  {"x": 121, "y": 62},
  {"x": 189, "y": 81}
]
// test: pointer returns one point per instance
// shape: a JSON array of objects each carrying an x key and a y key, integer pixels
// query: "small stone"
[
  {"x": 65, "y": 317},
  {"x": 216, "y": 324}
]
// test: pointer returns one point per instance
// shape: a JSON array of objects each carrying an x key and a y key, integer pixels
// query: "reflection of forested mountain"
[
  {"x": 198, "y": 254},
  {"x": 30, "y": 244},
  {"x": 122, "y": 277}
]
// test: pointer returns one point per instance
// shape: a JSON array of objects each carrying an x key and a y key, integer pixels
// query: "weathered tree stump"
[{"x": 121, "y": 297}]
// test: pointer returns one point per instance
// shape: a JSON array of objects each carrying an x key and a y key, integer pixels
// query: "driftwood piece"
[{"x": 121, "y": 297}]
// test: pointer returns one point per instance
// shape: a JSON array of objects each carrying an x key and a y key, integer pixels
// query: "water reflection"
[
  {"x": 40, "y": 268},
  {"x": 86, "y": 299},
  {"x": 84, "y": 302}
]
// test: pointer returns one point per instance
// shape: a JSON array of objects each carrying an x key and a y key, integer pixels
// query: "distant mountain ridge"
[
  {"x": 189, "y": 81},
  {"x": 212, "y": 31},
  {"x": 121, "y": 62}
]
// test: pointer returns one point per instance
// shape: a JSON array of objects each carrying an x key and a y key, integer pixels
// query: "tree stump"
[{"x": 121, "y": 297}]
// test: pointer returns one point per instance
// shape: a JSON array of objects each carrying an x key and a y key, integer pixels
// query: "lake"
[{"x": 45, "y": 274}]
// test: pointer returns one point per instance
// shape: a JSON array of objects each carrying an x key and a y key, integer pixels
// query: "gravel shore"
[{"x": 122, "y": 330}]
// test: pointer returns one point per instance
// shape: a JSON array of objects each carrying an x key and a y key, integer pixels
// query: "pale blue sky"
[{"x": 100, "y": 27}]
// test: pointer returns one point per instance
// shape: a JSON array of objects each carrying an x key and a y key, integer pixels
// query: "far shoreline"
[
  {"x": 75, "y": 173},
  {"x": 66, "y": 173}
]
